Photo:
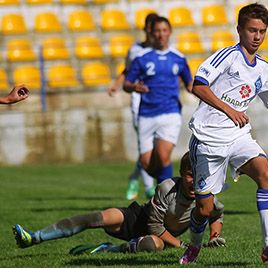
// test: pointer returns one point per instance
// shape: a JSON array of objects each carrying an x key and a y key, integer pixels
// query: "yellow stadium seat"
[
  {"x": 54, "y": 48},
  {"x": 113, "y": 20},
  {"x": 104, "y": 1},
  {"x": 194, "y": 64},
  {"x": 75, "y": 2},
  {"x": 61, "y": 76},
  {"x": 265, "y": 56},
  {"x": 120, "y": 67},
  {"x": 119, "y": 45},
  {"x": 237, "y": 8},
  {"x": 9, "y": 2},
  {"x": 39, "y": 2},
  {"x": 13, "y": 24},
  {"x": 80, "y": 20},
  {"x": 220, "y": 39},
  {"x": 214, "y": 15},
  {"x": 96, "y": 74},
  {"x": 4, "y": 85},
  {"x": 47, "y": 22},
  {"x": 264, "y": 45},
  {"x": 190, "y": 42},
  {"x": 140, "y": 16},
  {"x": 88, "y": 47},
  {"x": 28, "y": 75},
  {"x": 180, "y": 17},
  {"x": 20, "y": 50}
]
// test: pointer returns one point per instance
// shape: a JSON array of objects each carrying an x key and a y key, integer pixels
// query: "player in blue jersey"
[
  {"x": 133, "y": 185},
  {"x": 155, "y": 75},
  {"x": 226, "y": 83}
]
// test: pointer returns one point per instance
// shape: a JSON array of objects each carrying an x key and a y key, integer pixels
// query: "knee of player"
[{"x": 150, "y": 243}]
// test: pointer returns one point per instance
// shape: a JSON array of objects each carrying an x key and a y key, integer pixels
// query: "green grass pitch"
[{"x": 40, "y": 195}]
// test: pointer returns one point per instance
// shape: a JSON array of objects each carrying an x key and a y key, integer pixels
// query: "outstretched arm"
[
  {"x": 117, "y": 84},
  {"x": 18, "y": 93},
  {"x": 171, "y": 240}
]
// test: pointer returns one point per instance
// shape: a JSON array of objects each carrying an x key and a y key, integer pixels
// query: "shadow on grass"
[
  {"x": 122, "y": 262},
  {"x": 96, "y": 208},
  {"x": 238, "y": 212},
  {"x": 229, "y": 264},
  {"x": 79, "y": 198}
]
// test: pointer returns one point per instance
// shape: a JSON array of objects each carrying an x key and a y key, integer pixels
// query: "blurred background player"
[
  {"x": 226, "y": 83},
  {"x": 154, "y": 74},
  {"x": 18, "y": 93},
  {"x": 148, "y": 227},
  {"x": 133, "y": 185}
]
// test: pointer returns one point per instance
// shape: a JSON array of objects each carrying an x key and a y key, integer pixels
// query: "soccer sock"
[
  {"x": 69, "y": 226},
  {"x": 164, "y": 173},
  {"x": 148, "y": 181},
  {"x": 197, "y": 230},
  {"x": 262, "y": 204},
  {"x": 136, "y": 172}
]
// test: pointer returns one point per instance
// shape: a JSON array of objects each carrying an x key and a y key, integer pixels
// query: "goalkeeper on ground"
[{"x": 149, "y": 227}]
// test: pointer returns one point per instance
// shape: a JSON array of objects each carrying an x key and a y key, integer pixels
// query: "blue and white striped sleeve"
[{"x": 215, "y": 65}]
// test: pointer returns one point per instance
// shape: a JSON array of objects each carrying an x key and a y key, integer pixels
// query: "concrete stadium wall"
[{"x": 86, "y": 126}]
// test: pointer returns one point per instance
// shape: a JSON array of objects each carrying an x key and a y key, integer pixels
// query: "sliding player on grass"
[
  {"x": 226, "y": 83},
  {"x": 148, "y": 227}
]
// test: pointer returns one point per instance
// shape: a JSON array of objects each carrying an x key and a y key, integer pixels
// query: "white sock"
[
  {"x": 148, "y": 181},
  {"x": 262, "y": 204}
]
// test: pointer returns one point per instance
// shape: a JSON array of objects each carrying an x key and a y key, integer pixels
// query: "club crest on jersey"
[
  {"x": 175, "y": 69},
  {"x": 258, "y": 85},
  {"x": 245, "y": 91},
  {"x": 201, "y": 183}
]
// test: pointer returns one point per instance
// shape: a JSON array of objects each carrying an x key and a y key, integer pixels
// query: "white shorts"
[
  {"x": 165, "y": 127},
  {"x": 135, "y": 106},
  {"x": 210, "y": 163}
]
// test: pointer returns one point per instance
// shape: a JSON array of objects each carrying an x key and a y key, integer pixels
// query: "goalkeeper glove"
[{"x": 215, "y": 242}]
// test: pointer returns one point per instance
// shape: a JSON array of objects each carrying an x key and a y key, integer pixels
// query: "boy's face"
[
  {"x": 252, "y": 34},
  {"x": 161, "y": 34},
  {"x": 188, "y": 184}
]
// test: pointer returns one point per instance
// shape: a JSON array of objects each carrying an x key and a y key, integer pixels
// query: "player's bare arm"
[
  {"x": 116, "y": 84},
  {"x": 170, "y": 240},
  {"x": 204, "y": 93},
  {"x": 137, "y": 87},
  {"x": 189, "y": 87},
  {"x": 18, "y": 93}
]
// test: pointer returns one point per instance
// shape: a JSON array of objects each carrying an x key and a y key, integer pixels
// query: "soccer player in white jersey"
[
  {"x": 149, "y": 227},
  {"x": 133, "y": 185},
  {"x": 154, "y": 74},
  {"x": 226, "y": 83}
]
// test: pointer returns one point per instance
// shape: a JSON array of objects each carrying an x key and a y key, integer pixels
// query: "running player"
[
  {"x": 155, "y": 75},
  {"x": 133, "y": 185},
  {"x": 150, "y": 227},
  {"x": 226, "y": 83}
]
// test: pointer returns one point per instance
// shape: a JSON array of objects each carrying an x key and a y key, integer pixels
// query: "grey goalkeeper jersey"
[{"x": 170, "y": 209}]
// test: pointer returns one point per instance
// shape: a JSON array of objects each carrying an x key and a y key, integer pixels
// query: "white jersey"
[
  {"x": 135, "y": 97},
  {"x": 236, "y": 82}
]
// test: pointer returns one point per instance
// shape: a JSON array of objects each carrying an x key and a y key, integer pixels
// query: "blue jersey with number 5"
[{"x": 160, "y": 72}]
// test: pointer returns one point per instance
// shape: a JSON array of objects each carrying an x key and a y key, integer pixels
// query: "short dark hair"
[
  {"x": 158, "y": 20},
  {"x": 185, "y": 163},
  {"x": 252, "y": 11},
  {"x": 148, "y": 20}
]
